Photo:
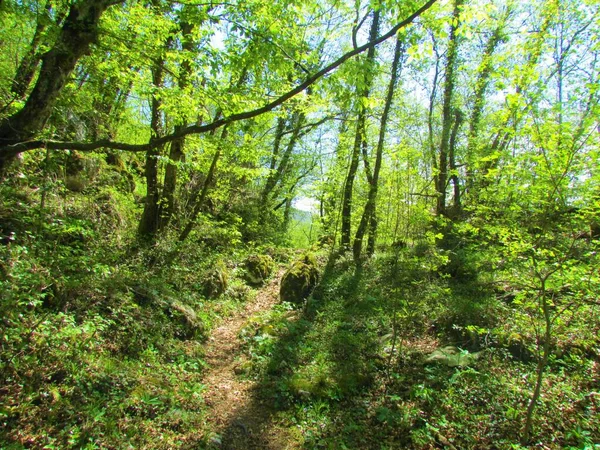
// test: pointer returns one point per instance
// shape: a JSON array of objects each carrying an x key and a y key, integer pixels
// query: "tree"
[
  {"x": 78, "y": 32},
  {"x": 18, "y": 131},
  {"x": 447, "y": 144},
  {"x": 369, "y": 217},
  {"x": 362, "y": 90}
]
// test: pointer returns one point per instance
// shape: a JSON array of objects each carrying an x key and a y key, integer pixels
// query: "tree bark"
[
  {"x": 275, "y": 176},
  {"x": 176, "y": 152},
  {"x": 149, "y": 221},
  {"x": 277, "y": 142},
  {"x": 369, "y": 217},
  {"x": 542, "y": 363},
  {"x": 31, "y": 60},
  {"x": 199, "y": 203},
  {"x": 442, "y": 178},
  {"x": 457, "y": 207},
  {"x": 358, "y": 137},
  {"x": 481, "y": 84}
]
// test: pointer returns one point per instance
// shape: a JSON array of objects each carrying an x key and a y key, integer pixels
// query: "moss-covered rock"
[
  {"x": 189, "y": 325},
  {"x": 239, "y": 291},
  {"x": 159, "y": 302},
  {"x": 215, "y": 282},
  {"x": 299, "y": 280},
  {"x": 75, "y": 183},
  {"x": 258, "y": 268}
]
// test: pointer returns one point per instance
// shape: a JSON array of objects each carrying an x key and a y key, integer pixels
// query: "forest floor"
[{"x": 239, "y": 415}]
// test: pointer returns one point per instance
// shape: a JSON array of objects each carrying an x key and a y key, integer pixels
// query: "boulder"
[
  {"x": 75, "y": 183},
  {"x": 190, "y": 326},
  {"x": 299, "y": 280},
  {"x": 258, "y": 269},
  {"x": 215, "y": 282}
]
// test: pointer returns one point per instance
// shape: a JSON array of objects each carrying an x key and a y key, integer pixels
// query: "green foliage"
[{"x": 102, "y": 334}]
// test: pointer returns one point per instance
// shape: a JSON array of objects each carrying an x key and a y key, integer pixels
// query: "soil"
[{"x": 240, "y": 417}]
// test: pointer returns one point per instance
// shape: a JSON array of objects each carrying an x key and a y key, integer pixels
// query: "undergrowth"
[
  {"x": 348, "y": 369},
  {"x": 102, "y": 340}
]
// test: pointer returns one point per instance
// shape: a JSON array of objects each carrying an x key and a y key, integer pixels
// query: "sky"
[{"x": 306, "y": 204}]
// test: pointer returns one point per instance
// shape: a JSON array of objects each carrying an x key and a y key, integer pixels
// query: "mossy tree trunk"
[
  {"x": 276, "y": 175},
  {"x": 198, "y": 201},
  {"x": 149, "y": 222},
  {"x": 30, "y": 62},
  {"x": 543, "y": 359},
  {"x": 177, "y": 147},
  {"x": 481, "y": 84}
]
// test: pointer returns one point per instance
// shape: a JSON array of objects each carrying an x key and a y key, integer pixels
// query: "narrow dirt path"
[{"x": 238, "y": 415}]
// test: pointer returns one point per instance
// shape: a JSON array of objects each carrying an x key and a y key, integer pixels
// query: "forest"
[{"x": 299, "y": 224}]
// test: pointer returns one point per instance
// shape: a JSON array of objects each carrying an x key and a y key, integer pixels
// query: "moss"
[
  {"x": 190, "y": 326},
  {"x": 258, "y": 268},
  {"x": 215, "y": 282},
  {"x": 299, "y": 280},
  {"x": 317, "y": 385},
  {"x": 75, "y": 183},
  {"x": 238, "y": 291}
]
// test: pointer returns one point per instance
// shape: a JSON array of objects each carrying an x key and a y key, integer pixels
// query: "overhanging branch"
[{"x": 199, "y": 129}]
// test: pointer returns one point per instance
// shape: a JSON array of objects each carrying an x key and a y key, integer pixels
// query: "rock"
[
  {"x": 299, "y": 280},
  {"x": 268, "y": 330},
  {"x": 452, "y": 357},
  {"x": 326, "y": 240},
  {"x": 258, "y": 269},
  {"x": 191, "y": 327},
  {"x": 215, "y": 282},
  {"x": 243, "y": 368},
  {"x": 75, "y": 183},
  {"x": 239, "y": 292},
  {"x": 216, "y": 440}
]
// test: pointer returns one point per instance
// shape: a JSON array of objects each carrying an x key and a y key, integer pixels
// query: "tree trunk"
[
  {"x": 457, "y": 207},
  {"x": 275, "y": 176},
  {"x": 369, "y": 217},
  {"x": 201, "y": 190},
  {"x": 78, "y": 33},
  {"x": 199, "y": 203},
  {"x": 481, "y": 84},
  {"x": 534, "y": 47},
  {"x": 329, "y": 202},
  {"x": 442, "y": 178},
  {"x": 358, "y": 138},
  {"x": 150, "y": 217},
  {"x": 277, "y": 142},
  {"x": 176, "y": 152},
  {"x": 541, "y": 366},
  {"x": 31, "y": 60},
  {"x": 432, "y": 147}
]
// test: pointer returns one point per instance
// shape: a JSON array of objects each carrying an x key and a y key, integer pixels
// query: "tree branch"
[{"x": 199, "y": 129}]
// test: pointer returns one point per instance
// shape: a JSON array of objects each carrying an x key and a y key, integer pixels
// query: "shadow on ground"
[{"x": 318, "y": 372}]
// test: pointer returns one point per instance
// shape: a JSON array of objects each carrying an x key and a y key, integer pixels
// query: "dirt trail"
[{"x": 238, "y": 415}]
